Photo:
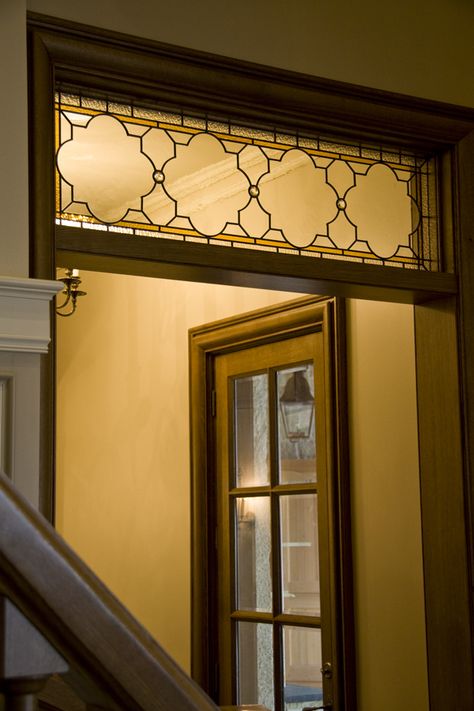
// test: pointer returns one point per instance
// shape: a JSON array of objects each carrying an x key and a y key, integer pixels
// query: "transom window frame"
[
  {"x": 211, "y": 181},
  {"x": 93, "y": 59}
]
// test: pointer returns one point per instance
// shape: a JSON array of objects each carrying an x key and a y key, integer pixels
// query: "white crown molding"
[
  {"x": 25, "y": 314},
  {"x": 23, "y": 288},
  {"x": 22, "y": 344}
]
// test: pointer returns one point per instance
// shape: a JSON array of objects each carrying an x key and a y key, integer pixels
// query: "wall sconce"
[
  {"x": 71, "y": 290},
  {"x": 297, "y": 407}
]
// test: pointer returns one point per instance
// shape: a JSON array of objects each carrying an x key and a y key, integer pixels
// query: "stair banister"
[{"x": 115, "y": 663}]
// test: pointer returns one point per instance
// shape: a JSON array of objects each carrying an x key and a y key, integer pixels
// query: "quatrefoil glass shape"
[
  {"x": 299, "y": 200},
  {"x": 207, "y": 184},
  {"x": 107, "y": 168},
  {"x": 383, "y": 211}
]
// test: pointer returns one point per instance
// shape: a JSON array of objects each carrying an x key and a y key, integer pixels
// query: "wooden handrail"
[{"x": 115, "y": 662}]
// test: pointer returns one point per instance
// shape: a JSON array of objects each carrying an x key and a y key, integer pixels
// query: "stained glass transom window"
[{"x": 141, "y": 171}]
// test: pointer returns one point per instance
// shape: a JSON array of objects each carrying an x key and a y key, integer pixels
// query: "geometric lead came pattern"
[{"x": 122, "y": 168}]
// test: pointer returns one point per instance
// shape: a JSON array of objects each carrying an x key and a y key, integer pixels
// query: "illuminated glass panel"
[
  {"x": 153, "y": 173},
  {"x": 251, "y": 431},
  {"x": 253, "y": 575}
]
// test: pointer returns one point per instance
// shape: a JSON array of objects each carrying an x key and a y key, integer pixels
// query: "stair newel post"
[{"x": 27, "y": 659}]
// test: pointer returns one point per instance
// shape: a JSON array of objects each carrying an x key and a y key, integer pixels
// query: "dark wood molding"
[
  {"x": 47, "y": 464},
  {"x": 445, "y": 547},
  {"x": 42, "y": 242},
  {"x": 342, "y": 496},
  {"x": 240, "y": 267},
  {"x": 464, "y": 171},
  {"x": 294, "y": 318},
  {"x": 41, "y": 157},
  {"x": 140, "y": 68},
  {"x": 116, "y": 663}
]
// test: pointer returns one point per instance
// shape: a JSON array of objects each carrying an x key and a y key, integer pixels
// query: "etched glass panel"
[
  {"x": 255, "y": 664},
  {"x": 296, "y": 425},
  {"x": 302, "y": 662},
  {"x": 299, "y": 554},
  {"x": 155, "y": 173},
  {"x": 253, "y": 553},
  {"x": 251, "y": 431}
]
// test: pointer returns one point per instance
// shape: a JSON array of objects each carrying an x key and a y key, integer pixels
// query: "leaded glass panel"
[{"x": 139, "y": 171}]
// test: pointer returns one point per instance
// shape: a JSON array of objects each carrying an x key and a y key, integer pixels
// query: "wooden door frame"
[
  {"x": 285, "y": 320},
  {"x": 444, "y": 302}
]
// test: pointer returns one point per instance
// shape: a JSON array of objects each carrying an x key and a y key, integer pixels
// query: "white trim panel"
[{"x": 25, "y": 314}]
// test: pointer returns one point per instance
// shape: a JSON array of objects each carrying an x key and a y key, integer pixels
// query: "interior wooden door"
[{"x": 275, "y": 626}]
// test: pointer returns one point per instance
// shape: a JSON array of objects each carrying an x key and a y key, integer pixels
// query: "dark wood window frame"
[{"x": 444, "y": 302}]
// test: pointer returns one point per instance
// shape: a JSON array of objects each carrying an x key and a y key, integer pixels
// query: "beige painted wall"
[
  {"x": 123, "y": 481},
  {"x": 123, "y": 465},
  {"x": 389, "y": 604},
  {"x": 14, "y": 247}
]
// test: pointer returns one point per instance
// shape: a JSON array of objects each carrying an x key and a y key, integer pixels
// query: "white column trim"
[{"x": 25, "y": 313}]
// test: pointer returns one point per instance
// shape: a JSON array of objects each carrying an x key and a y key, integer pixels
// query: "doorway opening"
[{"x": 97, "y": 353}]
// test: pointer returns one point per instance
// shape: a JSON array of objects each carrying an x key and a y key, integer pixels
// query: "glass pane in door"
[
  {"x": 302, "y": 664},
  {"x": 255, "y": 664},
  {"x": 299, "y": 554},
  {"x": 251, "y": 427},
  {"x": 296, "y": 427},
  {"x": 253, "y": 553}
]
